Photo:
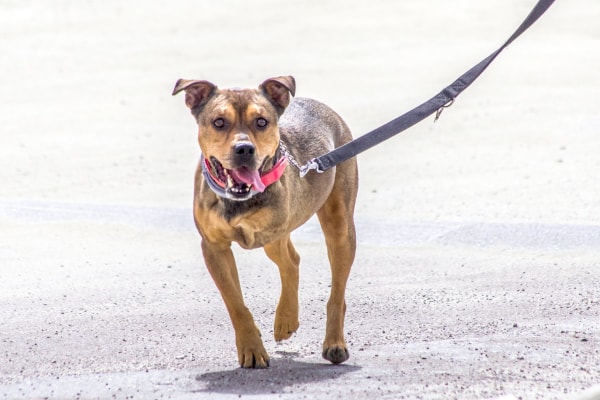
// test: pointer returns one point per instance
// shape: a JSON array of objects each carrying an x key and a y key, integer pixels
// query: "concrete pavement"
[{"x": 477, "y": 270}]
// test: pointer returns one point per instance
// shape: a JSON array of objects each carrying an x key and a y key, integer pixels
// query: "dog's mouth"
[{"x": 239, "y": 182}]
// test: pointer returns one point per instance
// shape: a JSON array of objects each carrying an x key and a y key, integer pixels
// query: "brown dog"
[{"x": 244, "y": 193}]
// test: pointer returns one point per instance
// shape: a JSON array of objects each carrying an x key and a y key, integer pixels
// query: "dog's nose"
[{"x": 244, "y": 152}]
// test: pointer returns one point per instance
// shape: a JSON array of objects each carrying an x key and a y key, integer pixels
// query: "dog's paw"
[
  {"x": 254, "y": 358},
  {"x": 285, "y": 327},
  {"x": 336, "y": 354},
  {"x": 251, "y": 352}
]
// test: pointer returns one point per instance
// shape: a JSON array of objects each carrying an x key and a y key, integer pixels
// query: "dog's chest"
[
  {"x": 232, "y": 210},
  {"x": 251, "y": 229},
  {"x": 252, "y": 233}
]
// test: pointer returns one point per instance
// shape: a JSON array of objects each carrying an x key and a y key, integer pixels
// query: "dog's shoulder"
[{"x": 310, "y": 128}]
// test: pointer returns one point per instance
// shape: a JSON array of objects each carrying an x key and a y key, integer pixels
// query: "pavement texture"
[{"x": 478, "y": 267}]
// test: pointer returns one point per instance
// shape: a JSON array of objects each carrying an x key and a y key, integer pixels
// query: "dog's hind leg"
[
  {"x": 282, "y": 253},
  {"x": 337, "y": 221}
]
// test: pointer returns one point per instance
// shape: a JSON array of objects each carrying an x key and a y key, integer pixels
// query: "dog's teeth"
[{"x": 229, "y": 182}]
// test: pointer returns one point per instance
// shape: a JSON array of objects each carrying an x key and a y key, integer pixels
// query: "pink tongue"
[{"x": 249, "y": 178}]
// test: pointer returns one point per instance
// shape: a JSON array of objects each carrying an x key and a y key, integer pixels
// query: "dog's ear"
[
  {"x": 278, "y": 91},
  {"x": 196, "y": 92}
]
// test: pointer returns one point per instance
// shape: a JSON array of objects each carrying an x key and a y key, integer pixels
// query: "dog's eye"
[
  {"x": 261, "y": 123},
  {"x": 219, "y": 123}
]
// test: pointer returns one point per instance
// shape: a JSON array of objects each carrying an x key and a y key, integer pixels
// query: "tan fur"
[{"x": 308, "y": 129}]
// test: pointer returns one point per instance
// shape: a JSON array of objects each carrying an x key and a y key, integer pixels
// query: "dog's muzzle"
[{"x": 239, "y": 184}]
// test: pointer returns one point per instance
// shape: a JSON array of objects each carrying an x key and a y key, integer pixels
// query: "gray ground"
[{"x": 477, "y": 274}]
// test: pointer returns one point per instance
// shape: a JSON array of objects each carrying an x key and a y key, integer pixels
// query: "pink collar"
[{"x": 275, "y": 173}]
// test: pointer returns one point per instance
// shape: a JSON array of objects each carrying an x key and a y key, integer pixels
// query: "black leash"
[{"x": 434, "y": 105}]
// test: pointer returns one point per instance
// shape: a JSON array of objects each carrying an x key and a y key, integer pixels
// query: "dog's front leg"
[{"x": 221, "y": 265}]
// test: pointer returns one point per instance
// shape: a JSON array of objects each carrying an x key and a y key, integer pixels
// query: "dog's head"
[{"x": 237, "y": 128}]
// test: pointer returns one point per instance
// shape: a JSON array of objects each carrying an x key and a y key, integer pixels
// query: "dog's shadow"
[{"x": 284, "y": 372}]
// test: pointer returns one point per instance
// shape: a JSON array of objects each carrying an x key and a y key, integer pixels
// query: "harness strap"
[{"x": 434, "y": 105}]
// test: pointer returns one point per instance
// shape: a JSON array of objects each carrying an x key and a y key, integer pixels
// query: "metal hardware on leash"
[
  {"x": 304, "y": 169},
  {"x": 289, "y": 155},
  {"x": 311, "y": 165},
  {"x": 438, "y": 113}
]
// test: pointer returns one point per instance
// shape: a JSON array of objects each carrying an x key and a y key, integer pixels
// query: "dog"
[{"x": 247, "y": 192}]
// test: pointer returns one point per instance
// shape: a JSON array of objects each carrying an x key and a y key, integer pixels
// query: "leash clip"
[
  {"x": 439, "y": 111},
  {"x": 311, "y": 165}
]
